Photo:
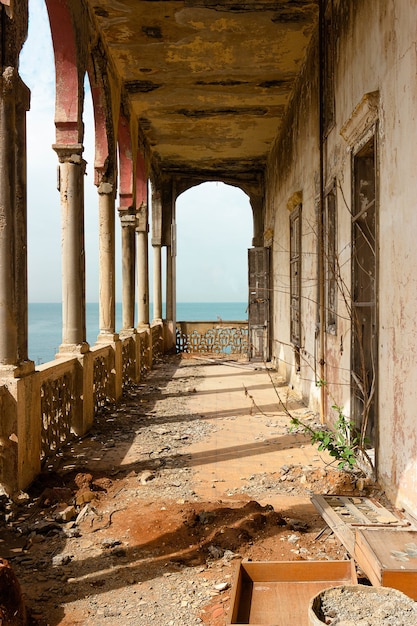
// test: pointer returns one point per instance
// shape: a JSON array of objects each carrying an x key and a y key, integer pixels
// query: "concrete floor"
[{"x": 252, "y": 430}]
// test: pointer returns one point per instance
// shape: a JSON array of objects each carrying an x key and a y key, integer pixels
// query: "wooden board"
[
  {"x": 277, "y": 593},
  {"x": 388, "y": 558},
  {"x": 345, "y": 514}
]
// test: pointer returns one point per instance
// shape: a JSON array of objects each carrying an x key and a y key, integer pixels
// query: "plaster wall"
[
  {"x": 292, "y": 179},
  {"x": 375, "y": 53}
]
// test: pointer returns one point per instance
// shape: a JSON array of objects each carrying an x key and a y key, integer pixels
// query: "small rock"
[
  {"x": 146, "y": 477},
  {"x": 84, "y": 497},
  {"x": 67, "y": 514},
  {"x": 61, "y": 559}
]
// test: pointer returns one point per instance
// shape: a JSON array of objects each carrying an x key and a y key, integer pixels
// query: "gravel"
[{"x": 366, "y": 606}]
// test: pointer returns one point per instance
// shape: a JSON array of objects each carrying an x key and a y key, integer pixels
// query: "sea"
[{"x": 45, "y": 322}]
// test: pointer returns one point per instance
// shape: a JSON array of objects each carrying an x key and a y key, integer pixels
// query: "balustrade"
[
  {"x": 212, "y": 337},
  {"x": 57, "y": 405},
  {"x": 72, "y": 389}
]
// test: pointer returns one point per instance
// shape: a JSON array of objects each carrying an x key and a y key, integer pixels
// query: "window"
[
  {"x": 295, "y": 276},
  {"x": 330, "y": 259}
]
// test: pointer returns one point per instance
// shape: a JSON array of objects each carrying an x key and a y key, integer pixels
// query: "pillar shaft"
[
  {"x": 170, "y": 285},
  {"x": 71, "y": 185},
  {"x": 128, "y": 270},
  {"x": 107, "y": 297},
  {"x": 14, "y": 102},
  {"x": 157, "y": 282},
  {"x": 143, "y": 279},
  {"x": 8, "y": 322},
  {"x": 21, "y": 274}
]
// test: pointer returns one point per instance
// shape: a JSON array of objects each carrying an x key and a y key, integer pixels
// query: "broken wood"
[{"x": 344, "y": 514}]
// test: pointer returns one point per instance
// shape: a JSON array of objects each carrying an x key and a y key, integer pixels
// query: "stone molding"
[{"x": 364, "y": 116}]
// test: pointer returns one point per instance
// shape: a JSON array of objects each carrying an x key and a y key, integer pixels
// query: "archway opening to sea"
[{"x": 214, "y": 232}]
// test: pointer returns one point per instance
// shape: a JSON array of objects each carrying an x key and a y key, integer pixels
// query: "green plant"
[{"x": 341, "y": 443}]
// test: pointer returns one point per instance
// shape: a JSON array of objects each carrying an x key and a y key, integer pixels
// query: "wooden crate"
[
  {"x": 277, "y": 593},
  {"x": 378, "y": 553}
]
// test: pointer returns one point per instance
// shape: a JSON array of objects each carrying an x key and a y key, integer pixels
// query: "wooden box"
[
  {"x": 382, "y": 555},
  {"x": 277, "y": 593}
]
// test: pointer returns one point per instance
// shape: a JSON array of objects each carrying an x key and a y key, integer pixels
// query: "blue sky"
[{"x": 214, "y": 221}]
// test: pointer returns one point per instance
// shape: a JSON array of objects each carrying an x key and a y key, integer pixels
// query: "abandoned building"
[{"x": 309, "y": 107}]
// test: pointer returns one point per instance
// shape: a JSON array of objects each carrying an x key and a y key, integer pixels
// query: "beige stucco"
[{"x": 375, "y": 90}]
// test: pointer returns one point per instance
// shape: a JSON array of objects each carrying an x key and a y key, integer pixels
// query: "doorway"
[{"x": 364, "y": 367}]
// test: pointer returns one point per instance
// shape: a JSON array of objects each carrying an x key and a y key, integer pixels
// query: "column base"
[
  {"x": 72, "y": 349},
  {"x": 127, "y": 332},
  {"x": 104, "y": 337},
  {"x": 17, "y": 371}
]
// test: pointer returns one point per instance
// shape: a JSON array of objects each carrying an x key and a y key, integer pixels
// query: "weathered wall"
[
  {"x": 293, "y": 177},
  {"x": 375, "y": 52}
]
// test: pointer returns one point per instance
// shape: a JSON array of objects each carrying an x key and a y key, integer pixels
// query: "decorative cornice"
[
  {"x": 295, "y": 200},
  {"x": 364, "y": 116}
]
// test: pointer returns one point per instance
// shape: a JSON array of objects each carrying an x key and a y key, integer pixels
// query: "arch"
[
  {"x": 126, "y": 190},
  {"x": 253, "y": 189},
  {"x": 68, "y": 105},
  {"x": 141, "y": 181},
  {"x": 105, "y": 145},
  {"x": 212, "y": 245}
]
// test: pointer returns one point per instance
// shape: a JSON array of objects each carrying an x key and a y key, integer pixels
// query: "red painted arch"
[
  {"x": 141, "y": 181},
  {"x": 126, "y": 191},
  {"x": 67, "y": 107}
]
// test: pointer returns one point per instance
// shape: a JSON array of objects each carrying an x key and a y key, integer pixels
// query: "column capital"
[
  {"x": 69, "y": 153},
  {"x": 105, "y": 188},
  {"x": 142, "y": 218},
  {"x": 127, "y": 217}
]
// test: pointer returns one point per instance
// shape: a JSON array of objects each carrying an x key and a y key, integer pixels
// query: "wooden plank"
[
  {"x": 338, "y": 526},
  {"x": 288, "y": 571},
  {"x": 283, "y": 603}
]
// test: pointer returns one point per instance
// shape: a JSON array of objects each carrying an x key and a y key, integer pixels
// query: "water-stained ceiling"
[{"x": 209, "y": 81}]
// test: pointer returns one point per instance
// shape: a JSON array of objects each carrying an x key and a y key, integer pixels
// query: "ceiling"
[{"x": 209, "y": 81}]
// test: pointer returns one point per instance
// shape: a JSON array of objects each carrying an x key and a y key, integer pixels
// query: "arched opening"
[
  {"x": 214, "y": 232},
  {"x": 37, "y": 69}
]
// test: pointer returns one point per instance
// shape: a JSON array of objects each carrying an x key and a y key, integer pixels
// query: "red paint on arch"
[
  {"x": 102, "y": 150},
  {"x": 67, "y": 113},
  {"x": 125, "y": 163},
  {"x": 141, "y": 181}
]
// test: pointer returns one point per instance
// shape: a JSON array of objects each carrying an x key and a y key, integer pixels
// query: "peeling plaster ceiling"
[{"x": 209, "y": 81}]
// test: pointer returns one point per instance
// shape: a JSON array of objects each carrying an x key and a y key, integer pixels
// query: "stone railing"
[
  {"x": 58, "y": 403},
  {"x": 45, "y": 407},
  {"x": 103, "y": 371},
  {"x": 212, "y": 337}
]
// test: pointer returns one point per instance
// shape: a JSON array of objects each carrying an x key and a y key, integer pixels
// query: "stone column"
[
  {"x": 128, "y": 223},
  {"x": 71, "y": 188},
  {"x": 157, "y": 256},
  {"x": 107, "y": 301},
  {"x": 8, "y": 312},
  {"x": 157, "y": 282},
  {"x": 20, "y": 424},
  {"x": 143, "y": 265}
]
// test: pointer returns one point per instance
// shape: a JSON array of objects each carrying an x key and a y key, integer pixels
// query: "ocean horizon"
[{"x": 45, "y": 322}]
